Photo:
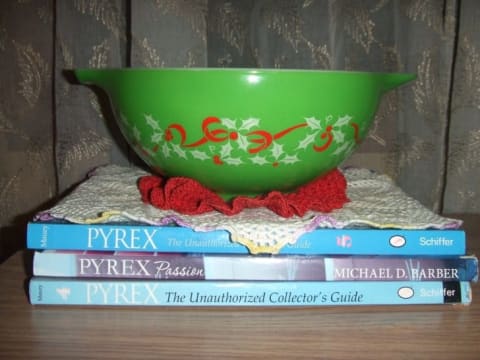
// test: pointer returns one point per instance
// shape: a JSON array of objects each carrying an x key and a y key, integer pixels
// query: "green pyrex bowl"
[{"x": 243, "y": 131}]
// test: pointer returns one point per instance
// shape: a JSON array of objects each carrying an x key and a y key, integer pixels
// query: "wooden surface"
[{"x": 395, "y": 332}]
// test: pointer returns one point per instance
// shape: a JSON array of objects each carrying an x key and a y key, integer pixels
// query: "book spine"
[
  {"x": 176, "y": 266},
  {"x": 146, "y": 238},
  {"x": 57, "y": 291}
]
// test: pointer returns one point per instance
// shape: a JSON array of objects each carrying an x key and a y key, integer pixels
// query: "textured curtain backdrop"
[{"x": 52, "y": 132}]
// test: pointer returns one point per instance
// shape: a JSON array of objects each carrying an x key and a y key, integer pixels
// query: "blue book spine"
[
  {"x": 147, "y": 238},
  {"x": 58, "y": 291},
  {"x": 182, "y": 266}
]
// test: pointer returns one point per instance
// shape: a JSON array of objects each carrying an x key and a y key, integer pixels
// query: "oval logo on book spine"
[
  {"x": 405, "y": 292},
  {"x": 397, "y": 241}
]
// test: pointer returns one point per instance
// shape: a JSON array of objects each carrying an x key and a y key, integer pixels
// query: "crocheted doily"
[{"x": 110, "y": 194}]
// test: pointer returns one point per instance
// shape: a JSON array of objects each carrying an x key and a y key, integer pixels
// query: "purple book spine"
[{"x": 173, "y": 266}]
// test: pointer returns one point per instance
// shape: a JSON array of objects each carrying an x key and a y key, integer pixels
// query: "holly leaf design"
[
  {"x": 156, "y": 137},
  {"x": 123, "y": 119},
  {"x": 179, "y": 151},
  {"x": 277, "y": 150},
  {"x": 329, "y": 119},
  {"x": 200, "y": 155},
  {"x": 338, "y": 136},
  {"x": 151, "y": 121},
  {"x": 343, "y": 120},
  {"x": 242, "y": 142},
  {"x": 233, "y": 161},
  {"x": 259, "y": 160},
  {"x": 166, "y": 150},
  {"x": 136, "y": 133},
  {"x": 226, "y": 150},
  {"x": 249, "y": 123},
  {"x": 290, "y": 159},
  {"x": 307, "y": 141},
  {"x": 313, "y": 123},
  {"x": 344, "y": 148},
  {"x": 228, "y": 123}
]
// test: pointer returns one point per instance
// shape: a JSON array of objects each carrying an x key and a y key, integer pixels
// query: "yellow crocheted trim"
[
  {"x": 386, "y": 226},
  {"x": 103, "y": 217},
  {"x": 255, "y": 248}
]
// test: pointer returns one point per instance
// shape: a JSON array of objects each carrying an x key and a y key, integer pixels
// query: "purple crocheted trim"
[{"x": 43, "y": 216}]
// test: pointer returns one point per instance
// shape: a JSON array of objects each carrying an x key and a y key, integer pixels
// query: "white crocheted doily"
[{"x": 110, "y": 194}]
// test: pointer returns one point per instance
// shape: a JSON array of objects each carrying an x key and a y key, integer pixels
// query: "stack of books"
[
  {"x": 116, "y": 263},
  {"x": 138, "y": 264}
]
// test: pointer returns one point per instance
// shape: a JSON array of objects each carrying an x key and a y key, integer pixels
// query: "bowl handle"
[
  {"x": 391, "y": 81},
  {"x": 89, "y": 76}
]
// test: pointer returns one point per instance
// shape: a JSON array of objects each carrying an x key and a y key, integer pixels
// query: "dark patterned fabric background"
[{"x": 52, "y": 132}]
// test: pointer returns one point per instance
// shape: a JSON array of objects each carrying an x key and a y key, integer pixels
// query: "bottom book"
[{"x": 74, "y": 291}]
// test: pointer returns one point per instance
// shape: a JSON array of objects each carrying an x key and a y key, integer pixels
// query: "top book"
[{"x": 149, "y": 238}]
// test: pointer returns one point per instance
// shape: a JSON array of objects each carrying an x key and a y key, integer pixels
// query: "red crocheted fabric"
[{"x": 187, "y": 196}]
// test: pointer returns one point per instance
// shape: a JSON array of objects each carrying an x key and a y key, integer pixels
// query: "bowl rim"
[{"x": 240, "y": 70}]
